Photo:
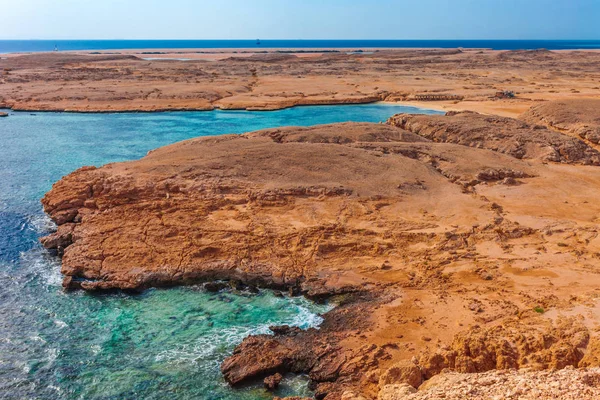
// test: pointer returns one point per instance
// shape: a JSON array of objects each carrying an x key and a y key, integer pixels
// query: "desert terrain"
[
  {"x": 127, "y": 81},
  {"x": 453, "y": 245}
]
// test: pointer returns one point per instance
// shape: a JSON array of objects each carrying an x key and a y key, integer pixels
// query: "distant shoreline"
[
  {"x": 15, "y": 46},
  {"x": 414, "y": 104},
  {"x": 214, "y": 54},
  {"x": 247, "y": 80}
]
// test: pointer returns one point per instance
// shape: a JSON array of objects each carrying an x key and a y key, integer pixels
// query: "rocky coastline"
[{"x": 449, "y": 243}]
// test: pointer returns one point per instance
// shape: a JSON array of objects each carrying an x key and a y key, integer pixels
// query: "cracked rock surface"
[{"x": 435, "y": 261}]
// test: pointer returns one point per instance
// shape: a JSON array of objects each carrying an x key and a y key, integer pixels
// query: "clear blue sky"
[{"x": 300, "y": 19}]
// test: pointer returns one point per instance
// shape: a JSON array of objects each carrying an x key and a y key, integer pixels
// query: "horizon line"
[{"x": 337, "y": 39}]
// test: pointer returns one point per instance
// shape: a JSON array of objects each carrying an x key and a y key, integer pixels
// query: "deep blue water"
[
  {"x": 162, "y": 344},
  {"x": 11, "y": 46}
]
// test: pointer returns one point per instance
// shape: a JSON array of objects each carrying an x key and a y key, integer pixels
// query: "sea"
[
  {"x": 12, "y": 46},
  {"x": 162, "y": 343}
]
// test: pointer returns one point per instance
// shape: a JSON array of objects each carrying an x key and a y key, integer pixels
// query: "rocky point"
[{"x": 461, "y": 242}]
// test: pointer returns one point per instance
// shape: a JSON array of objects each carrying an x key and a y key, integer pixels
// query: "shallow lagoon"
[{"x": 163, "y": 343}]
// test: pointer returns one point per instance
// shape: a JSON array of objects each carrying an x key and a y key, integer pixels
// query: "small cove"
[{"x": 161, "y": 343}]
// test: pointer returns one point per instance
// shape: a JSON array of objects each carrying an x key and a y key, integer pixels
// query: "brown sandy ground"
[
  {"x": 575, "y": 117},
  {"x": 274, "y": 80},
  {"x": 566, "y": 384},
  {"x": 460, "y": 242}
]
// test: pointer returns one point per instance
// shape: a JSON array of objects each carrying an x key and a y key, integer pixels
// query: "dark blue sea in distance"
[
  {"x": 12, "y": 46},
  {"x": 161, "y": 344}
]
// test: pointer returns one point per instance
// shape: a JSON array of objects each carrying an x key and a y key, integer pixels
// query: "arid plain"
[
  {"x": 276, "y": 79},
  {"x": 466, "y": 242}
]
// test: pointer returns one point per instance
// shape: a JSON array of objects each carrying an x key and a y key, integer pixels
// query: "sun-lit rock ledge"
[{"x": 443, "y": 251}]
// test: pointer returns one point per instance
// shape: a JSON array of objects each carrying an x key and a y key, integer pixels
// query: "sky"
[{"x": 300, "y": 19}]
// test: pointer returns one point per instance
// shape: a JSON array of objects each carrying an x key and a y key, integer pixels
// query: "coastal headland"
[{"x": 457, "y": 243}]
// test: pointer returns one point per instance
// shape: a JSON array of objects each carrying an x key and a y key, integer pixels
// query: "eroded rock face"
[
  {"x": 428, "y": 253},
  {"x": 292, "y": 398},
  {"x": 405, "y": 371},
  {"x": 505, "y": 135},
  {"x": 580, "y": 117},
  {"x": 512, "y": 347},
  {"x": 396, "y": 392},
  {"x": 269, "y": 208},
  {"x": 567, "y": 384}
]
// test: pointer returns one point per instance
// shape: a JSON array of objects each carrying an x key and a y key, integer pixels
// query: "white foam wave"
[
  {"x": 52, "y": 355},
  {"x": 60, "y": 324},
  {"x": 210, "y": 347},
  {"x": 55, "y": 388},
  {"x": 305, "y": 316},
  {"x": 95, "y": 349},
  {"x": 305, "y": 319},
  {"x": 37, "y": 339},
  {"x": 42, "y": 223},
  {"x": 42, "y": 265}
]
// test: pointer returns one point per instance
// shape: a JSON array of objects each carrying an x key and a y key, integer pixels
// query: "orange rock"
[{"x": 404, "y": 371}]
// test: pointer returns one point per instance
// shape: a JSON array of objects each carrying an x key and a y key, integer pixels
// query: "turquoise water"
[
  {"x": 11, "y": 46},
  {"x": 165, "y": 343}
]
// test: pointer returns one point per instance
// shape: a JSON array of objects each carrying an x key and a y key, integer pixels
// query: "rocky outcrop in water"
[{"x": 272, "y": 382}]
